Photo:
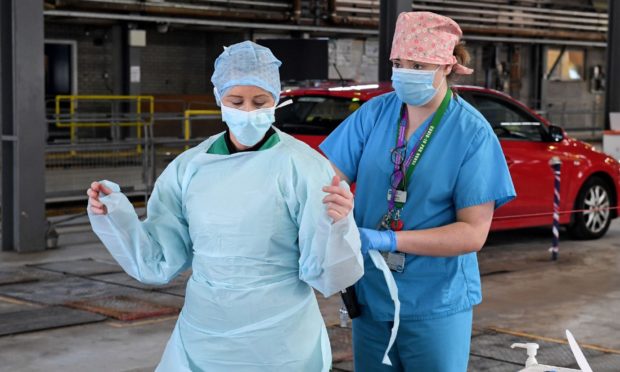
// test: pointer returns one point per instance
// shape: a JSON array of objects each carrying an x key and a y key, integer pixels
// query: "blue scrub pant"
[{"x": 434, "y": 345}]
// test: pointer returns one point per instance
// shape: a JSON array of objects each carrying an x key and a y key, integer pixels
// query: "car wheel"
[{"x": 594, "y": 199}]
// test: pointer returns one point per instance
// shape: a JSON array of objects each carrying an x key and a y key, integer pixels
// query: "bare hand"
[
  {"x": 339, "y": 201},
  {"x": 95, "y": 205}
]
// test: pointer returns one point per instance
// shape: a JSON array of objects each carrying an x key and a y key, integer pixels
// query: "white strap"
[{"x": 379, "y": 262}]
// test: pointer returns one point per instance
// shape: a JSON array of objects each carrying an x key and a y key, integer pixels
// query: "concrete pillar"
[
  {"x": 22, "y": 117},
  {"x": 118, "y": 76},
  {"x": 136, "y": 40},
  {"x": 117, "y": 42}
]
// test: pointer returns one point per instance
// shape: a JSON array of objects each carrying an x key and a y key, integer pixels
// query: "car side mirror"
[{"x": 556, "y": 134}]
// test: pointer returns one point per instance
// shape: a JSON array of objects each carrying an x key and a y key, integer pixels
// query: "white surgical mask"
[
  {"x": 414, "y": 87},
  {"x": 248, "y": 127}
]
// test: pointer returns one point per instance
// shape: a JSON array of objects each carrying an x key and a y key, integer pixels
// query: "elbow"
[
  {"x": 475, "y": 248},
  {"x": 472, "y": 246},
  {"x": 480, "y": 241},
  {"x": 477, "y": 236},
  {"x": 476, "y": 241}
]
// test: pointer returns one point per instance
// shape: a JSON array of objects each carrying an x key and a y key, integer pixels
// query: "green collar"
[{"x": 219, "y": 147}]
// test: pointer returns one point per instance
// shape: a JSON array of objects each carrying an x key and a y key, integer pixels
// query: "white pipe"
[
  {"x": 505, "y": 14},
  {"x": 502, "y": 17},
  {"x": 521, "y": 8},
  {"x": 511, "y": 23},
  {"x": 536, "y": 41}
]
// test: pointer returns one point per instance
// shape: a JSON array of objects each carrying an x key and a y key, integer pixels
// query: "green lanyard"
[{"x": 415, "y": 156}]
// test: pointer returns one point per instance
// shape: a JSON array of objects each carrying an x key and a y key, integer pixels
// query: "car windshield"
[{"x": 317, "y": 115}]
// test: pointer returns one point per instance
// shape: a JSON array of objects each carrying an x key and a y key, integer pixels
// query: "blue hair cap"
[{"x": 246, "y": 63}]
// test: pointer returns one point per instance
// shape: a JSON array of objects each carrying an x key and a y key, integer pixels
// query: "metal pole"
[
  {"x": 22, "y": 117},
  {"x": 536, "y": 68},
  {"x": 593, "y": 117},
  {"x": 390, "y": 9},
  {"x": 612, "y": 101},
  {"x": 556, "y": 165},
  {"x": 133, "y": 71}
]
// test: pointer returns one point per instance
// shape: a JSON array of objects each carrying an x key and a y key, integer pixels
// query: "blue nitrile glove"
[{"x": 383, "y": 241}]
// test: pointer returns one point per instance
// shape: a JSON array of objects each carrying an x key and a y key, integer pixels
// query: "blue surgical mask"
[
  {"x": 414, "y": 87},
  {"x": 248, "y": 127}
]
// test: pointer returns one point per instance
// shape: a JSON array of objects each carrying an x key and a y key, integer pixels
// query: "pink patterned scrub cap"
[{"x": 429, "y": 38}]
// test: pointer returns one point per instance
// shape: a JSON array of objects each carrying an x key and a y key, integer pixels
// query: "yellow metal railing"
[
  {"x": 187, "y": 129},
  {"x": 73, "y": 124}
]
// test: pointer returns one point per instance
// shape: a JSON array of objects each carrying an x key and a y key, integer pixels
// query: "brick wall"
[
  {"x": 177, "y": 62},
  {"x": 94, "y": 55},
  {"x": 181, "y": 61}
]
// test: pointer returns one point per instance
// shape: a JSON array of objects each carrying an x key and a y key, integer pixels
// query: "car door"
[{"x": 527, "y": 151}]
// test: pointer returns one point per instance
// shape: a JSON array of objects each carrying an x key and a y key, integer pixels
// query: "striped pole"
[{"x": 556, "y": 165}]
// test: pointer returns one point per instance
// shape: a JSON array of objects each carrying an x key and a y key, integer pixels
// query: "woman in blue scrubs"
[{"x": 429, "y": 173}]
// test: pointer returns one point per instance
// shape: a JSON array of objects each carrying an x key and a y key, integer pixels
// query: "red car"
[{"x": 590, "y": 178}]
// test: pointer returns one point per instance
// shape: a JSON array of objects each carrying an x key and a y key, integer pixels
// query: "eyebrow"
[
  {"x": 257, "y": 96},
  {"x": 412, "y": 61}
]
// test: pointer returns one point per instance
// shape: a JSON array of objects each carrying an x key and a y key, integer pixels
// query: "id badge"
[
  {"x": 395, "y": 261},
  {"x": 401, "y": 196}
]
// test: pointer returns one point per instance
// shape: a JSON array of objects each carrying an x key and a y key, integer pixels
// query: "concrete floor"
[
  {"x": 580, "y": 292},
  {"x": 76, "y": 181},
  {"x": 525, "y": 295}
]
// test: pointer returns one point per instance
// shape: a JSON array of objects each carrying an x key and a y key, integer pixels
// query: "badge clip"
[{"x": 401, "y": 196}]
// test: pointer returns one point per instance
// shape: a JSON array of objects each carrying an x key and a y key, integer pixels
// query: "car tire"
[{"x": 595, "y": 195}]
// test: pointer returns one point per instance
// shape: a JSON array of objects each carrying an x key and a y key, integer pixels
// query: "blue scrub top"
[{"x": 463, "y": 166}]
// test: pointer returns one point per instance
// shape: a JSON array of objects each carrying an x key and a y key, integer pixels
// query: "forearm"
[
  {"x": 444, "y": 241},
  {"x": 120, "y": 231},
  {"x": 135, "y": 246}
]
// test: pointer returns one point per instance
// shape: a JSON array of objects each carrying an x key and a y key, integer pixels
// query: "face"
[
  {"x": 248, "y": 98},
  {"x": 444, "y": 70}
]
